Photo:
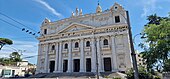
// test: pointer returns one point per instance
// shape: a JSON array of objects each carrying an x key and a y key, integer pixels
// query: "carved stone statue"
[
  {"x": 81, "y": 12},
  {"x": 77, "y": 11},
  {"x": 72, "y": 14}
]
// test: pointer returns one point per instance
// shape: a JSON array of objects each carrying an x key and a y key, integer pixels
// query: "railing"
[
  {"x": 52, "y": 52},
  {"x": 76, "y": 49},
  {"x": 65, "y": 50},
  {"x": 87, "y": 49},
  {"x": 106, "y": 47}
]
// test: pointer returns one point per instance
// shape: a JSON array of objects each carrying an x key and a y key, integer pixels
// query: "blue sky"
[{"x": 32, "y": 12}]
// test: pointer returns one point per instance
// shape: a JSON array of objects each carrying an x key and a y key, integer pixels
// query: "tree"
[
  {"x": 15, "y": 57},
  {"x": 143, "y": 74},
  {"x": 156, "y": 43},
  {"x": 4, "y": 41},
  {"x": 166, "y": 66}
]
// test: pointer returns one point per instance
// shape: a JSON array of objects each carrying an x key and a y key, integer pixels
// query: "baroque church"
[{"x": 86, "y": 42}]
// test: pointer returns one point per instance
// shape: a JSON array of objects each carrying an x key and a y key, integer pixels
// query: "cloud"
[
  {"x": 30, "y": 47},
  {"x": 51, "y": 9},
  {"x": 149, "y": 7}
]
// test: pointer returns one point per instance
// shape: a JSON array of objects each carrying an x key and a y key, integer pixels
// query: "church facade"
[{"x": 81, "y": 43}]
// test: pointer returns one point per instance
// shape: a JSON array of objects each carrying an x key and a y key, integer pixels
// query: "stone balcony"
[
  {"x": 52, "y": 52},
  {"x": 87, "y": 49},
  {"x": 106, "y": 47},
  {"x": 76, "y": 49},
  {"x": 65, "y": 50}
]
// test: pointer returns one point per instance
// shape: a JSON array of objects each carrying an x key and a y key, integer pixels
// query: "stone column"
[
  {"x": 56, "y": 57},
  {"x": 93, "y": 58},
  {"x": 69, "y": 57},
  {"x": 60, "y": 58},
  {"x": 82, "y": 63},
  {"x": 99, "y": 55},
  {"x": 114, "y": 59},
  {"x": 46, "y": 59}
]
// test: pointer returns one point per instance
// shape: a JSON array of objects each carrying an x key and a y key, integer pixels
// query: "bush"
[
  {"x": 143, "y": 74},
  {"x": 117, "y": 78},
  {"x": 157, "y": 77}
]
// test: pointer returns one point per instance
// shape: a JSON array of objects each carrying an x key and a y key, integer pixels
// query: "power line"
[
  {"x": 23, "y": 29},
  {"x": 10, "y": 24},
  {"x": 17, "y": 21},
  {"x": 32, "y": 56}
]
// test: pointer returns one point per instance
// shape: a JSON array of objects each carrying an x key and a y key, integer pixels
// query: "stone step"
[
  {"x": 65, "y": 74},
  {"x": 77, "y": 75}
]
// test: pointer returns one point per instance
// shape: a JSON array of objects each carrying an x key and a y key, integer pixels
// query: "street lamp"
[
  {"x": 95, "y": 45},
  {"x": 97, "y": 64},
  {"x": 136, "y": 74}
]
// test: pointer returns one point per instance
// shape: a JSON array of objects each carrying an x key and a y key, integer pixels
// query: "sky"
[{"x": 31, "y": 13}]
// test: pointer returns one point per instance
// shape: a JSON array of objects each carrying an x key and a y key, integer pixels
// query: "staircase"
[
  {"x": 79, "y": 75},
  {"x": 65, "y": 74}
]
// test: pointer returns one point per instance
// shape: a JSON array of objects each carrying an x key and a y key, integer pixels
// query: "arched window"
[
  {"x": 88, "y": 44},
  {"x": 105, "y": 42},
  {"x": 53, "y": 47},
  {"x": 76, "y": 45},
  {"x": 66, "y": 46}
]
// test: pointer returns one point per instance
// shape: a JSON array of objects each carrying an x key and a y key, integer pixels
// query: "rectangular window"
[
  {"x": 117, "y": 19},
  {"x": 45, "y": 31}
]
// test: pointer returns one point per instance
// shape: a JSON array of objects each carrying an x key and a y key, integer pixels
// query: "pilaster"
[
  {"x": 56, "y": 57},
  {"x": 39, "y": 58},
  {"x": 46, "y": 69},
  {"x": 69, "y": 57},
  {"x": 60, "y": 58},
  {"x": 82, "y": 62},
  {"x": 114, "y": 59},
  {"x": 93, "y": 58}
]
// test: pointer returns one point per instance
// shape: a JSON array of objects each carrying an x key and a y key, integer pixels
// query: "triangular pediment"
[{"x": 75, "y": 27}]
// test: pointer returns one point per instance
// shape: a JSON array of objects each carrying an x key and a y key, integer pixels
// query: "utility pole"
[
  {"x": 136, "y": 74},
  {"x": 97, "y": 69}
]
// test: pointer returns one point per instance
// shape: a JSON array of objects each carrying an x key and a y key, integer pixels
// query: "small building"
[
  {"x": 140, "y": 60},
  {"x": 10, "y": 71}
]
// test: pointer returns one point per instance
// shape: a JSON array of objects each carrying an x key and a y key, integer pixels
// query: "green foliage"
[
  {"x": 4, "y": 41},
  {"x": 166, "y": 66},
  {"x": 156, "y": 43},
  {"x": 15, "y": 57},
  {"x": 157, "y": 77},
  {"x": 12, "y": 60},
  {"x": 143, "y": 74}
]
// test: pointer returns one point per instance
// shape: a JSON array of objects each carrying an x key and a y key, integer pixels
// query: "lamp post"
[
  {"x": 133, "y": 55},
  {"x": 97, "y": 64},
  {"x": 95, "y": 45},
  {"x": 136, "y": 74}
]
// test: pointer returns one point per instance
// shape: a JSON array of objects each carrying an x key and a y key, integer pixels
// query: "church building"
[{"x": 86, "y": 42}]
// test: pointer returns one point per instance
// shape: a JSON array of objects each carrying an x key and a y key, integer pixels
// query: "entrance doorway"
[
  {"x": 88, "y": 65},
  {"x": 76, "y": 65},
  {"x": 65, "y": 65},
  {"x": 52, "y": 66},
  {"x": 107, "y": 64}
]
